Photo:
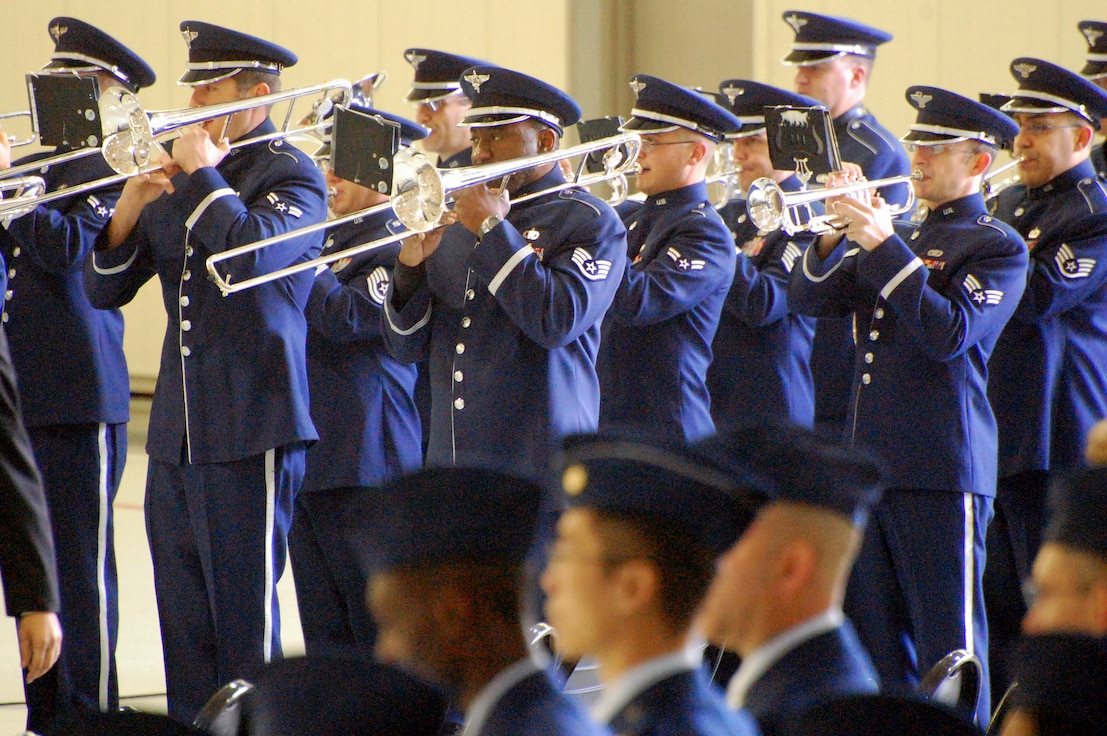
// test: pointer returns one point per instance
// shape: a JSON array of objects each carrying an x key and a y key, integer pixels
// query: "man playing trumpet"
[{"x": 928, "y": 306}]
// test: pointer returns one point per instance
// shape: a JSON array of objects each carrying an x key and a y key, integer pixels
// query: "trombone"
[
  {"x": 14, "y": 140},
  {"x": 136, "y": 135},
  {"x": 421, "y": 195},
  {"x": 27, "y": 189},
  {"x": 771, "y": 208},
  {"x": 990, "y": 190}
]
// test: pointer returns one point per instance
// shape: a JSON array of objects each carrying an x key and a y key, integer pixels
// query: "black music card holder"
[
  {"x": 64, "y": 110},
  {"x": 362, "y": 148},
  {"x": 594, "y": 130},
  {"x": 802, "y": 139}
]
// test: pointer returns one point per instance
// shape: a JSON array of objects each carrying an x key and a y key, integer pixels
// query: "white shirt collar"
[
  {"x": 617, "y": 695},
  {"x": 764, "y": 657},
  {"x": 491, "y": 693}
]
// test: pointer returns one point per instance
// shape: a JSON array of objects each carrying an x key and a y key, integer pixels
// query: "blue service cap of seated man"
[
  {"x": 800, "y": 467},
  {"x": 669, "y": 484},
  {"x": 748, "y": 99},
  {"x": 1062, "y": 677},
  {"x": 80, "y": 47},
  {"x": 1048, "y": 88},
  {"x": 410, "y": 131},
  {"x": 216, "y": 53},
  {"x": 1095, "y": 63},
  {"x": 437, "y": 74},
  {"x": 821, "y": 38},
  {"x": 443, "y": 514},
  {"x": 662, "y": 106},
  {"x": 502, "y": 96},
  {"x": 945, "y": 117},
  {"x": 1078, "y": 511}
]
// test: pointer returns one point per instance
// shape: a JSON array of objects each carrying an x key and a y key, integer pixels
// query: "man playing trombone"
[
  {"x": 506, "y": 304},
  {"x": 69, "y": 359},
  {"x": 929, "y": 306},
  {"x": 230, "y": 415}
]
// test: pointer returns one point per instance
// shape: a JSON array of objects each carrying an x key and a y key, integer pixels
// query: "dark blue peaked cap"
[
  {"x": 502, "y": 96},
  {"x": 1095, "y": 32},
  {"x": 437, "y": 73},
  {"x": 748, "y": 99},
  {"x": 215, "y": 53},
  {"x": 798, "y": 466},
  {"x": 669, "y": 484},
  {"x": 442, "y": 515},
  {"x": 1046, "y": 88},
  {"x": 821, "y": 38},
  {"x": 80, "y": 46},
  {"x": 662, "y": 106},
  {"x": 1078, "y": 511},
  {"x": 944, "y": 116}
]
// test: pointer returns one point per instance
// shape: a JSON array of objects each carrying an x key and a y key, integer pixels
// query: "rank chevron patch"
[
  {"x": 1072, "y": 267},
  {"x": 592, "y": 268},
  {"x": 683, "y": 263},
  {"x": 979, "y": 295}
]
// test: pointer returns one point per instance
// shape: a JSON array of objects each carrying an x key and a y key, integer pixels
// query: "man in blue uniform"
[
  {"x": 508, "y": 306},
  {"x": 762, "y": 348},
  {"x": 445, "y": 549},
  {"x": 635, "y": 552},
  {"x": 1048, "y": 379},
  {"x": 680, "y": 261},
  {"x": 361, "y": 403},
  {"x": 69, "y": 360},
  {"x": 929, "y": 305},
  {"x": 1095, "y": 71},
  {"x": 230, "y": 415},
  {"x": 834, "y": 58},
  {"x": 777, "y": 594},
  {"x": 436, "y": 91}
]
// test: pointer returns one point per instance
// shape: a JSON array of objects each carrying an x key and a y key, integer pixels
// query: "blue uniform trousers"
[
  {"x": 916, "y": 592},
  {"x": 330, "y": 580},
  {"x": 217, "y": 536},
  {"x": 81, "y": 466}
]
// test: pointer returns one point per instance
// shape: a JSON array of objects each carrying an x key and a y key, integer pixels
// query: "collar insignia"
[
  {"x": 1025, "y": 70},
  {"x": 476, "y": 80},
  {"x": 531, "y": 235},
  {"x": 921, "y": 99}
]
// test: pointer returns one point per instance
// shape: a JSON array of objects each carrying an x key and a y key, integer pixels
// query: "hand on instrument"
[
  {"x": 419, "y": 247},
  {"x": 195, "y": 149},
  {"x": 40, "y": 640},
  {"x": 476, "y": 203},
  {"x": 5, "y": 151},
  {"x": 866, "y": 223}
]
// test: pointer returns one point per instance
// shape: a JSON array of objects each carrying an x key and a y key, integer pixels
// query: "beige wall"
[{"x": 588, "y": 47}]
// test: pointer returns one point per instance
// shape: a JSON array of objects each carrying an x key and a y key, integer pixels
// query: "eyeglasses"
[
  {"x": 936, "y": 149},
  {"x": 1037, "y": 129},
  {"x": 648, "y": 144}
]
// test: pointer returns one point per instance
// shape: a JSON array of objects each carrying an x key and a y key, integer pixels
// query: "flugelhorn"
[
  {"x": 771, "y": 208},
  {"x": 421, "y": 195}
]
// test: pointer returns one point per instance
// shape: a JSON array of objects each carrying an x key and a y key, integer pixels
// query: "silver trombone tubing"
[
  {"x": 771, "y": 208},
  {"x": 419, "y": 200},
  {"x": 132, "y": 136},
  {"x": 15, "y": 141},
  {"x": 27, "y": 191},
  {"x": 992, "y": 190}
]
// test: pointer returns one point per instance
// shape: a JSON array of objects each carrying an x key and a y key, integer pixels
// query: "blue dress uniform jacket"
[
  {"x": 928, "y": 311},
  {"x": 245, "y": 351},
  {"x": 684, "y": 703},
  {"x": 1099, "y": 159},
  {"x": 69, "y": 354},
  {"x": 361, "y": 397},
  {"x": 1049, "y": 372},
  {"x": 826, "y": 667},
  {"x": 536, "y": 707},
  {"x": 657, "y": 344},
  {"x": 762, "y": 348},
  {"x": 511, "y": 327}
]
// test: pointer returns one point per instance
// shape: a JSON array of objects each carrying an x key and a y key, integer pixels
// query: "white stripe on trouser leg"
[
  {"x": 101, "y": 567},
  {"x": 270, "y": 502},
  {"x": 970, "y": 572}
]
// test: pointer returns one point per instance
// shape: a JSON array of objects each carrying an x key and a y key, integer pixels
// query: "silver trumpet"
[
  {"x": 991, "y": 190},
  {"x": 421, "y": 195},
  {"x": 771, "y": 208}
]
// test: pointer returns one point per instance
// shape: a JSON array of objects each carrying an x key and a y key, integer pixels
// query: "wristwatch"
[{"x": 489, "y": 222}]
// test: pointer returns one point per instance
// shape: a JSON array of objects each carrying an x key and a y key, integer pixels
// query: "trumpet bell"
[
  {"x": 419, "y": 194},
  {"x": 765, "y": 204}
]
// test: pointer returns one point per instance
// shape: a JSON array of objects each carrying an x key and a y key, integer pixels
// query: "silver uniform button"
[
  {"x": 869, "y": 357},
  {"x": 5, "y": 317},
  {"x": 1019, "y": 211},
  {"x": 459, "y": 403},
  {"x": 465, "y": 321},
  {"x": 459, "y": 376},
  {"x": 11, "y": 273},
  {"x": 874, "y": 334},
  {"x": 9, "y": 294},
  {"x": 866, "y": 379},
  {"x": 470, "y": 294},
  {"x": 186, "y": 325},
  {"x": 460, "y": 348},
  {"x": 188, "y": 251},
  {"x": 185, "y": 351},
  {"x": 16, "y": 251},
  {"x": 184, "y": 301},
  {"x": 186, "y": 275},
  {"x": 879, "y": 314}
]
